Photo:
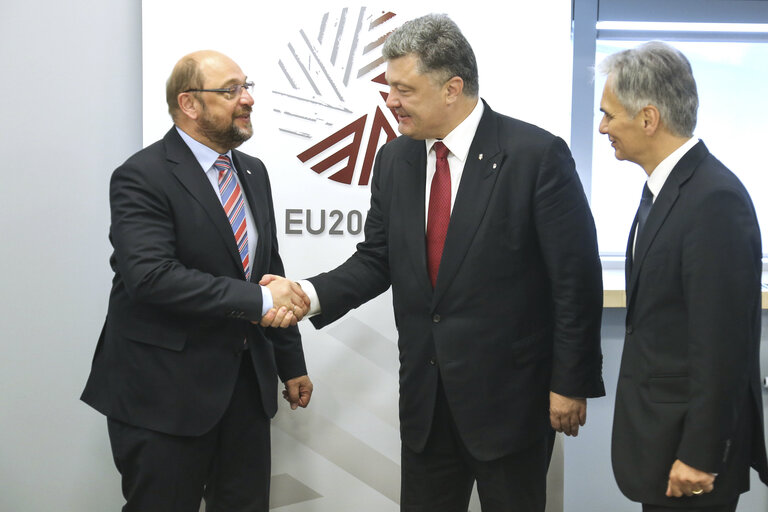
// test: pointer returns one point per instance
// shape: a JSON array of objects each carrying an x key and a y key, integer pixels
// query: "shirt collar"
[
  {"x": 662, "y": 171},
  {"x": 204, "y": 155},
  {"x": 460, "y": 138}
]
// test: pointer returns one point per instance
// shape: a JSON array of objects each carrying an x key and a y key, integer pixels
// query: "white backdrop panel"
[{"x": 319, "y": 116}]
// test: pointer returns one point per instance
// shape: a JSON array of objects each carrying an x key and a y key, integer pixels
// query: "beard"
[{"x": 230, "y": 136}]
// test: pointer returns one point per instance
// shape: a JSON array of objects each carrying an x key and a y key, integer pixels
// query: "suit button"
[
  {"x": 436, "y": 319},
  {"x": 432, "y": 362},
  {"x": 629, "y": 329}
]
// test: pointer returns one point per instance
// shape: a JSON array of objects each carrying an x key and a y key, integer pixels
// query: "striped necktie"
[{"x": 234, "y": 206}]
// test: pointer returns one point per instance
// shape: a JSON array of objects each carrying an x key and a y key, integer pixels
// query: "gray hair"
[
  {"x": 441, "y": 48},
  {"x": 656, "y": 74},
  {"x": 185, "y": 75}
]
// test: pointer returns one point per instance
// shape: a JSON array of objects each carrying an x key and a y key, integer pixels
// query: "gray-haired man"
[{"x": 688, "y": 419}]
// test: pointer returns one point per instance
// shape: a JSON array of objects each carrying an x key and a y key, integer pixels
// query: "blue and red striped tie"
[{"x": 234, "y": 207}]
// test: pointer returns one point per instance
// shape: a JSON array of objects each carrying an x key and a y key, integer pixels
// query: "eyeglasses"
[{"x": 230, "y": 92}]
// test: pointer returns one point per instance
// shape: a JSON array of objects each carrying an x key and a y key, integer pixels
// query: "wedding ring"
[{"x": 698, "y": 491}]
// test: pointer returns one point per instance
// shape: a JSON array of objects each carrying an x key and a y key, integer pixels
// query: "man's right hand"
[{"x": 290, "y": 302}]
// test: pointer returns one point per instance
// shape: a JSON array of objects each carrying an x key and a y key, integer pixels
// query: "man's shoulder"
[{"x": 507, "y": 125}]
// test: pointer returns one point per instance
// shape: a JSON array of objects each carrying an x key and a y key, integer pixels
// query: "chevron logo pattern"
[{"x": 333, "y": 93}]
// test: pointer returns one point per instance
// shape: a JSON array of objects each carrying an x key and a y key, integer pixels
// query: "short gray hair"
[
  {"x": 440, "y": 47},
  {"x": 656, "y": 74}
]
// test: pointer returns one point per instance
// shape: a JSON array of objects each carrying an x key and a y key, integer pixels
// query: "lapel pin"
[
  {"x": 480, "y": 156},
  {"x": 248, "y": 171},
  {"x": 495, "y": 165}
]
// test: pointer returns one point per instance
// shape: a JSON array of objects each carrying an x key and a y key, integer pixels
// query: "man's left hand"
[
  {"x": 298, "y": 391},
  {"x": 685, "y": 480},
  {"x": 567, "y": 414}
]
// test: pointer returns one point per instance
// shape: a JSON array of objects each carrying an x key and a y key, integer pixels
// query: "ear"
[
  {"x": 453, "y": 89},
  {"x": 650, "y": 118},
  {"x": 188, "y": 105}
]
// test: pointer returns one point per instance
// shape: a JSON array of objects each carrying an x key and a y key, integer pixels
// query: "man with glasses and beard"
[{"x": 183, "y": 372}]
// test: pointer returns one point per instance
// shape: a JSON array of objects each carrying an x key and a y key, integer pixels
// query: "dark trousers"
[
  {"x": 440, "y": 478},
  {"x": 228, "y": 466},
  {"x": 731, "y": 507}
]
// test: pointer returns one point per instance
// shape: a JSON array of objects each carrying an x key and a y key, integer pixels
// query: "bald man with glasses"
[{"x": 183, "y": 372}]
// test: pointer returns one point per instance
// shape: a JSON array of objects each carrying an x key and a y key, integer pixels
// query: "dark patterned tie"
[
  {"x": 234, "y": 206},
  {"x": 439, "y": 214}
]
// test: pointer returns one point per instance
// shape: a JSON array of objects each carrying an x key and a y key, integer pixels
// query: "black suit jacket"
[
  {"x": 689, "y": 381},
  {"x": 516, "y": 308},
  {"x": 180, "y": 307}
]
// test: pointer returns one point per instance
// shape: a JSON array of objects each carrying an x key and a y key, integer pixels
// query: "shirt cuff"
[
  {"x": 266, "y": 300},
  {"x": 314, "y": 300}
]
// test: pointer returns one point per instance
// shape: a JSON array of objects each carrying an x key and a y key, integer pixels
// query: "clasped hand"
[{"x": 290, "y": 303}]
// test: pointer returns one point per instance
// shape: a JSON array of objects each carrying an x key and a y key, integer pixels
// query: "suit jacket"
[
  {"x": 180, "y": 308},
  {"x": 516, "y": 308},
  {"x": 689, "y": 386}
]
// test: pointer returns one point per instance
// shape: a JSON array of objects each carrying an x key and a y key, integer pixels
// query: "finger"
[
  {"x": 279, "y": 317},
  {"x": 669, "y": 489},
  {"x": 267, "y": 278},
  {"x": 266, "y": 320},
  {"x": 287, "y": 319},
  {"x": 582, "y": 416},
  {"x": 574, "y": 425},
  {"x": 293, "y": 394}
]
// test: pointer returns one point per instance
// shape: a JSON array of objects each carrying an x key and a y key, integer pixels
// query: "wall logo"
[{"x": 333, "y": 93}]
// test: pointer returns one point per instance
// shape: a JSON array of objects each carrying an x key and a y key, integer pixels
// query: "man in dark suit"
[
  {"x": 498, "y": 305},
  {"x": 187, "y": 382},
  {"x": 689, "y": 419}
]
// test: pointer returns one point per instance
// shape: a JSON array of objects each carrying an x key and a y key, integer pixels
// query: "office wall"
[
  {"x": 70, "y": 108},
  {"x": 70, "y": 105}
]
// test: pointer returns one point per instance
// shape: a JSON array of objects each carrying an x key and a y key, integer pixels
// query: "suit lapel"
[
  {"x": 188, "y": 171},
  {"x": 411, "y": 189},
  {"x": 484, "y": 160},
  {"x": 659, "y": 213}
]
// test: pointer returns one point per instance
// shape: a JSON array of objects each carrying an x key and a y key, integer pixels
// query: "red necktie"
[{"x": 439, "y": 211}]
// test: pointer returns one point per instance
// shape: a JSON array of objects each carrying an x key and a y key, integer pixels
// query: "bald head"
[{"x": 190, "y": 73}]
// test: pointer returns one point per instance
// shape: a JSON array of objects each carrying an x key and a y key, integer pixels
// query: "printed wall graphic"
[{"x": 332, "y": 70}]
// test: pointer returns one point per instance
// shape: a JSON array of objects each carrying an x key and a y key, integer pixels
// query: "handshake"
[{"x": 290, "y": 303}]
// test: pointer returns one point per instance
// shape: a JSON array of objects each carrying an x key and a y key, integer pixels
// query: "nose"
[
  {"x": 603, "y": 128},
  {"x": 245, "y": 97},
  {"x": 392, "y": 99}
]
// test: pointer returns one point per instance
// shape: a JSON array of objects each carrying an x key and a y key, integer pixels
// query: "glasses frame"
[{"x": 235, "y": 90}]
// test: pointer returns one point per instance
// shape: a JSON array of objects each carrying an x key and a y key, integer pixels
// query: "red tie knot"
[{"x": 441, "y": 151}]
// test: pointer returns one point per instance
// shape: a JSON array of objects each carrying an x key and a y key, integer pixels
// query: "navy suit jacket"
[
  {"x": 689, "y": 385},
  {"x": 180, "y": 308},
  {"x": 516, "y": 308}
]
